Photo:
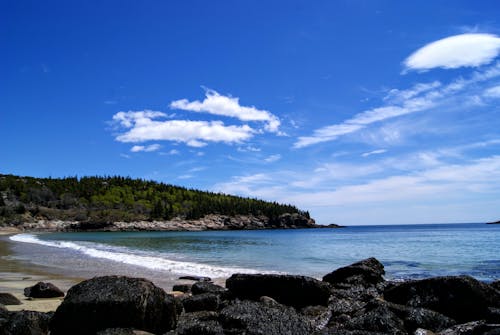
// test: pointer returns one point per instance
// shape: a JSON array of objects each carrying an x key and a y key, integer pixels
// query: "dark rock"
[
  {"x": 358, "y": 292},
  {"x": 470, "y": 328},
  {"x": 114, "y": 302},
  {"x": 366, "y": 272},
  {"x": 186, "y": 288},
  {"x": 207, "y": 287},
  {"x": 294, "y": 220},
  {"x": 461, "y": 298},
  {"x": 201, "y": 302},
  {"x": 9, "y": 299},
  {"x": 318, "y": 316},
  {"x": 296, "y": 291},
  {"x": 496, "y": 285},
  {"x": 493, "y": 315},
  {"x": 421, "y": 331},
  {"x": 196, "y": 278},
  {"x": 345, "y": 306},
  {"x": 122, "y": 331},
  {"x": 253, "y": 318},
  {"x": 376, "y": 316},
  {"x": 199, "y": 323},
  {"x": 43, "y": 290},
  {"x": 424, "y": 318},
  {"x": 268, "y": 301},
  {"x": 26, "y": 323}
]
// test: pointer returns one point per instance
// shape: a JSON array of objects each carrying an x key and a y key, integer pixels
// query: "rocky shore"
[
  {"x": 208, "y": 222},
  {"x": 353, "y": 300}
]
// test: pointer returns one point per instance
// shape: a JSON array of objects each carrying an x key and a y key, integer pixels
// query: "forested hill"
[{"x": 112, "y": 199}]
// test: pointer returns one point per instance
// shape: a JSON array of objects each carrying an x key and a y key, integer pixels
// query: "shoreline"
[{"x": 16, "y": 275}]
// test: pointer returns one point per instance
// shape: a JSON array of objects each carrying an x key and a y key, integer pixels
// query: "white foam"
[{"x": 153, "y": 262}]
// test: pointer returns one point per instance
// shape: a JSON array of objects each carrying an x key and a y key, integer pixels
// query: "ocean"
[{"x": 407, "y": 251}]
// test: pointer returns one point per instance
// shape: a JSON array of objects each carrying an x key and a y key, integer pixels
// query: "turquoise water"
[{"x": 410, "y": 251}]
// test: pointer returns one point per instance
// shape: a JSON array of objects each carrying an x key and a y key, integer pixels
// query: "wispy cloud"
[
  {"x": 374, "y": 152},
  {"x": 272, "y": 158},
  {"x": 145, "y": 148},
  {"x": 421, "y": 97},
  {"x": 217, "y": 104},
  {"x": 465, "y": 50},
  {"x": 492, "y": 92}
]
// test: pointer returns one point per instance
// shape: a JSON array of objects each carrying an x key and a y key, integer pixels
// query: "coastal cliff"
[{"x": 208, "y": 222}]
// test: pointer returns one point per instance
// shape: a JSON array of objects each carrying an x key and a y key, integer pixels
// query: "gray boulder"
[
  {"x": 296, "y": 291},
  {"x": 207, "y": 287},
  {"x": 115, "y": 302}
]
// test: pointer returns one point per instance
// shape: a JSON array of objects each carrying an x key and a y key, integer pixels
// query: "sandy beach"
[{"x": 16, "y": 276}]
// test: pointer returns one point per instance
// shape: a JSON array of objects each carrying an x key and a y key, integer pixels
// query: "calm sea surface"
[{"x": 410, "y": 251}]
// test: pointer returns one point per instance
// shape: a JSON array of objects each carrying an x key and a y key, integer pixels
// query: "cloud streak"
[{"x": 421, "y": 97}]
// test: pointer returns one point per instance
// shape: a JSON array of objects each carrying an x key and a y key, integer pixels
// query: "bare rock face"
[
  {"x": 296, "y": 291},
  {"x": 43, "y": 290},
  {"x": 462, "y": 298},
  {"x": 115, "y": 302}
]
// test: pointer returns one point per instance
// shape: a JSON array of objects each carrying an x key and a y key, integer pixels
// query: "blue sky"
[{"x": 362, "y": 112}]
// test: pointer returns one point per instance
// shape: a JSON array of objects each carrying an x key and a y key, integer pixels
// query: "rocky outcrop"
[
  {"x": 296, "y": 291},
  {"x": 43, "y": 290},
  {"x": 114, "y": 302},
  {"x": 208, "y": 222}
]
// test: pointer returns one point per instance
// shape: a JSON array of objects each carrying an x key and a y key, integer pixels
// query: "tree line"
[{"x": 116, "y": 198}]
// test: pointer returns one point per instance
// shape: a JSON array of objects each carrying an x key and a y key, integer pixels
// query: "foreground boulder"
[
  {"x": 253, "y": 318},
  {"x": 43, "y": 290},
  {"x": 24, "y": 323},
  {"x": 462, "y": 298},
  {"x": 296, "y": 291},
  {"x": 114, "y": 302},
  {"x": 366, "y": 272}
]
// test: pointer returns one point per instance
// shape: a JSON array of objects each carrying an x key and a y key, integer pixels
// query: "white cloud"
[
  {"x": 273, "y": 158},
  {"x": 374, "y": 152},
  {"x": 125, "y": 156},
  {"x": 492, "y": 92},
  {"x": 217, "y": 104},
  {"x": 465, "y": 50},
  {"x": 147, "y": 148},
  {"x": 142, "y": 127}
]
